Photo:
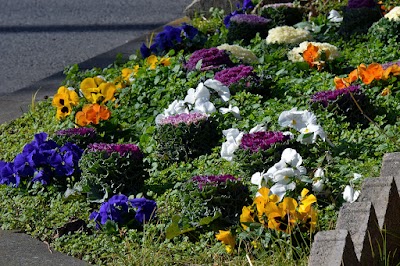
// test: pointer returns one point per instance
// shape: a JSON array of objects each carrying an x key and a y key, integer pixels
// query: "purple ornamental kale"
[
  {"x": 122, "y": 149},
  {"x": 262, "y": 140},
  {"x": 187, "y": 119},
  {"x": 250, "y": 19},
  {"x": 326, "y": 97},
  {"x": 145, "y": 209},
  {"x": 233, "y": 75},
  {"x": 212, "y": 180},
  {"x": 361, "y": 3},
  {"x": 211, "y": 58},
  {"x": 80, "y": 131}
]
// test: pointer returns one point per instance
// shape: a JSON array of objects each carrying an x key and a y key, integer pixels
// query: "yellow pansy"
[
  {"x": 246, "y": 217},
  {"x": 226, "y": 237},
  {"x": 97, "y": 90},
  {"x": 63, "y": 111},
  {"x": 152, "y": 61}
]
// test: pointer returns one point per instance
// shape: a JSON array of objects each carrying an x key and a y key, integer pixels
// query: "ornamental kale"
[
  {"x": 232, "y": 75},
  {"x": 245, "y": 27},
  {"x": 81, "y": 136},
  {"x": 119, "y": 209},
  {"x": 42, "y": 161},
  {"x": 262, "y": 140},
  {"x": 211, "y": 58}
]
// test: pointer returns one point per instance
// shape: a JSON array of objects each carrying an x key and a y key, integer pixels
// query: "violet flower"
[
  {"x": 250, "y": 19},
  {"x": 145, "y": 209},
  {"x": 211, "y": 58},
  {"x": 247, "y": 4},
  {"x": 7, "y": 174},
  {"x": 361, "y": 3},
  {"x": 262, "y": 140},
  {"x": 232, "y": 75},
  {"x": 212, "y": 180}
]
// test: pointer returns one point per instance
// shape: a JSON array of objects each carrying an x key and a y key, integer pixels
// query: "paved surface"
[{"x": 38, "y": 38}]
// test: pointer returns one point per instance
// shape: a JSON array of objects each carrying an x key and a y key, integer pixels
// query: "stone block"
[
  {"x": 391, "y": 165},
  {"x": 332, "y": 248},
  {"x": 383, "y": 194},
  {"x": 359, "y": 218}
]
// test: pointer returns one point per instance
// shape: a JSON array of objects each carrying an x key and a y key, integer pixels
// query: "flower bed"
[{"x": 202, "y": 152}]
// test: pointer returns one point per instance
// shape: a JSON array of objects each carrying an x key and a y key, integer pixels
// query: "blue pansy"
[
  {"x": 7, "y": 175},
  {"x": 145, "y": 209}
]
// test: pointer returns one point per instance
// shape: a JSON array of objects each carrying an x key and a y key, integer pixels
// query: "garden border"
[{"x": 366, "y": 230}]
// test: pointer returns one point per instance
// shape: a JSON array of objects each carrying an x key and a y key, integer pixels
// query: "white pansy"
[
  {"x": 296, "y": 119},
  {"x": 349, "y": 194},
  {"x": 310, "y": 133},
  {"x": 319, "y": 173},
  {"x": 258, "y": 128},
  {"x": 231, "y": 109},
  {"x": 291, "y": 157},
  {"x": 280, "y": 189},
  {"x": 318, "y": 185},
  {"x": 232, "y": 143},
  {"x": 334, "y": 16},
  {"x": 203, "y": 105},
  {"x": 176, "y": 107},
  {"x": 201, "y": 92},
  {"x": 221, "y": 89},
  {"x": 259, "y": 178}
]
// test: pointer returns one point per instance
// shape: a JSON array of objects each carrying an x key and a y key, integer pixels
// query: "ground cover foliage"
[{"x": 228, "y": 185}]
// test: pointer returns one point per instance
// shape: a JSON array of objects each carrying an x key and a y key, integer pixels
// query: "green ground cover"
[{"x": 334, "y": 142}]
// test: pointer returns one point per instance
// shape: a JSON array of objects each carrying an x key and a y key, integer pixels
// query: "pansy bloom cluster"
[
  {"x": 109, "y": 169},
  {"x": 64, "y": 100},
  {"x": 42, "y": 161},
  {"x": 211, "y": 58},
  {"x": 122, "y": 210},
  {"x": 172, "y": 38},
  {"x": 286, "y": 216}
]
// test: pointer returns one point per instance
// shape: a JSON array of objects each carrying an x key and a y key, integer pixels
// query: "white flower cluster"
[
  {"x": 233, "y": 139},
  {"x": 296, "y": 54},
  {"x": 239, "y": 52},
  {"x": 303, "y": 121},
  {"x": 282, "y": 175},
  {"x": 394, "y": 14},
  {"x": 287, "y": 34},
  {"x": 198, "y": 101}
]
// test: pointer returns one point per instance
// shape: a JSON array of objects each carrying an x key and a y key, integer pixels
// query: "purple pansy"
[{"x": 145, "y": 209}]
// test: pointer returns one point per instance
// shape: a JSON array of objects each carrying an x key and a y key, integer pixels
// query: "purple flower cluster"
[
  {"x": 262, "y": 140},
  {"x": 232, "y": 75},
  {"x": 80, "y": 131},
  {"x": 122, "y": 149},
  {"x": 387, "y": 65},
  {"x": 212, "y": 180},
  {"x": 247, "y": 4},
  {"x": 326, "y": 97},
  {"x": 250, "y": 19},
  {"x": 361, "y": 3},
  {"x": 187, "y": 119},
  {"x": 211, "y": 58},
  {"x": 168, "y": 38},
  {"x": 41, "y": 160},
  {"x": 119, "y": 205}
]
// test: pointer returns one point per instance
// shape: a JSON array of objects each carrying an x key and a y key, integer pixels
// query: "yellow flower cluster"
[
  {"x": 287, "y": 34},
  {"x": 282, "y": 216},
  {"x": 63, "y": 100}
]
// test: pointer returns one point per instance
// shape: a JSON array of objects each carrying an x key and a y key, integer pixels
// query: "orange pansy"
[{"x": 310, "y": 55}]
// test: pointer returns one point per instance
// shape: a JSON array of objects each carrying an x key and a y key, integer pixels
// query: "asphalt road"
[{"x": 40, "y": 37}]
